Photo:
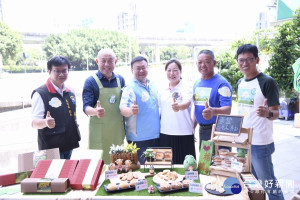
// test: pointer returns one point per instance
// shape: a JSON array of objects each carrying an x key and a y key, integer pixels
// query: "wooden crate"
[{"x": 244, "y": 141}]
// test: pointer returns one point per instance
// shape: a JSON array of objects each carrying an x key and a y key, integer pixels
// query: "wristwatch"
[{"x": 270, "y": 114}]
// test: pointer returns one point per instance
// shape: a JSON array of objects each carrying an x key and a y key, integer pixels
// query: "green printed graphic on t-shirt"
[
  {"x": 201, "y": 95},
  {"x": 245, "y": 100}
]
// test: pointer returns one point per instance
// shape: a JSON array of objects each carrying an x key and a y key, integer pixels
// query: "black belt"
[{"x": 205, "y": 126}]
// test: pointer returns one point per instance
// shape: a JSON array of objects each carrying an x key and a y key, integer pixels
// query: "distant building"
[
  {"x": 188, "y": 27},
  {"x": 127, "y": 20}
]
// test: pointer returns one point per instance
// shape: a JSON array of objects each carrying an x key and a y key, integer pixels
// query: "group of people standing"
[{"x": 153, "y": 116}]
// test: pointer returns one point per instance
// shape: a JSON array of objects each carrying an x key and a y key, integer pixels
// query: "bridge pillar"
[
  {"x": 143, "y": 52},
  {"x": 157, "y": 54}
]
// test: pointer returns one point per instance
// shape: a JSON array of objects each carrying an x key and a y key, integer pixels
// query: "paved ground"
[{"x": 17, "y": 136}]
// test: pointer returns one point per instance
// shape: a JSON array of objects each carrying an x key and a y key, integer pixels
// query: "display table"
[{"x": 87, "y": 194}]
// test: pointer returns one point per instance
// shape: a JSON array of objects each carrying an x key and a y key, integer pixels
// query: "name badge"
[
  {"x": 196, "y": 188},
  {"x": 111, "y": 174},
  {"x": 141, "y": 185},
  {"x": 192, "y": 175},
  {"x": 112, "y": 99}
]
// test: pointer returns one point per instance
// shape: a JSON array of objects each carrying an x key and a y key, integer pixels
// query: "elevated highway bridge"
[{"x": 195, "y": 41}]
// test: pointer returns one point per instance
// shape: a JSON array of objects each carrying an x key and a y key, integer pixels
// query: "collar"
[
  {"x": 210, "y": 77},
  {"x": 178, "y": 85},
  {"x": 100, "y": 75},
  {"x": 140, "y": 83},
  {"x": 259, "y": 74},
  {"x": 52, "y": 88}
]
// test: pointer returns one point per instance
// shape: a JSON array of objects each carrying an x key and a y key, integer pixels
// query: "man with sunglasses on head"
[
  {"x": 258, "y": 100},
  {"x": 54, "y": 110}
]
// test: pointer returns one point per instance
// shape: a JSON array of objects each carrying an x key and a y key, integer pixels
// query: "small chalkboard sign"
[{"x": 229, "y": 125}]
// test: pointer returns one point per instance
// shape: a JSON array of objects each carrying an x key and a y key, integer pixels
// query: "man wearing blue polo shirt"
[
  {"x": 139, "y": 106},
  {"x": 212, "y": 95}
]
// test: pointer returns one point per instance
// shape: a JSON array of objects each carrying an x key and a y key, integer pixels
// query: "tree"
[
  {"x": 10, "y": 44},
  {"x": 179, "y": 52},
  {"x": 226, "y": 62},
  {"x": 285, "y": 48},
  {"x": 83, "y": 44}
]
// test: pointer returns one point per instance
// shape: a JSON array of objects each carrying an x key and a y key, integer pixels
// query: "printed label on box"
[
  {"x": 192, "y": 175},
  {"x": 238, "y": 166},
  {"x": 44, "y": 185},
  {"x": 39, "y": 155},
  {"x": 21, "y": 176},
  {"x": 141, "y": 185},
  {"x": 111, "y": 174},
  {"x": 196, "y": 188}
]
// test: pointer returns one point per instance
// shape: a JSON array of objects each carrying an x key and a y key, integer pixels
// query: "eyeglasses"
[
  {"x": 58, "y": 72},
  {"x": 247, "y": 60}
]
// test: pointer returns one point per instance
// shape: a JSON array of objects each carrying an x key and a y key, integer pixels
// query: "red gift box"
[
  {"x": 57, "y": 168},
  {"x": 87, "y": 173},
  {"x": 14, "y": 178}
]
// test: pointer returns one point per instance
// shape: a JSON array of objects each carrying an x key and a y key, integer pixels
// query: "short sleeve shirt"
[
  {"x": 251, "y": 94},
  {"x": 216, "y": 91}
]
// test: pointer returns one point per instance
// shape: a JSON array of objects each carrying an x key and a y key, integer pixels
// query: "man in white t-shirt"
[{"x": 258, "y": 99}]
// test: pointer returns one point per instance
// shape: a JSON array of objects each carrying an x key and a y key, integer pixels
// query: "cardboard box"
[
  {"x": 57, "y": 168},
  {"x": 28, "y": 161},
  {"x": 255, "y": 190},
  {"x": 13, "y": 178},
  {"x": 297, "y": 120},
  {"x": 42, "y": 185},
  {"x": 87, "y": 173}
]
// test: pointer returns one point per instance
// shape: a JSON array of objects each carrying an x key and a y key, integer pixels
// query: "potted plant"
[
  {"x": 149, "y": 155},
  {"x": 127, "y": 152},
  {"x": 131, "y": 150},
  {"x": 116, "y": 152}
]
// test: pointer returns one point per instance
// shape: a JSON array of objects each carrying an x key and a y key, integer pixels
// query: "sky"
[{"x": 209, "y": 18}]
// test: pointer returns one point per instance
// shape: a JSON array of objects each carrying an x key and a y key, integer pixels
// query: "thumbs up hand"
[
  {"x": 207, "y": 112},
  {"x": 100, "y": 112},
  {"x": 50, "y": 122},
  {"x": 134, "y": 108},
  {"x": 263, "y": 111},
  {"x": 175, "y": 105}
]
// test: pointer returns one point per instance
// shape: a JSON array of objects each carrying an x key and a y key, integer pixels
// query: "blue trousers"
[
  {"x": 262, "y": 169},
  {"x": 66, "y": 154}
]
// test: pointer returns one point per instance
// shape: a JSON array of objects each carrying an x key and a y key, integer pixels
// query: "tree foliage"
[
  {"x": 10, "y": 44},
  {"x": 285, "y": 48},
  {"x": 82, "y": 46},
  {"x": 179, "y": 52},
  {"x": 226, "y": 62},
  {"x": 168, "y": 52}
]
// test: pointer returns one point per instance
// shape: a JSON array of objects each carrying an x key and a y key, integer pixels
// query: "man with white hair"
[{"x": 101, "y": 98}]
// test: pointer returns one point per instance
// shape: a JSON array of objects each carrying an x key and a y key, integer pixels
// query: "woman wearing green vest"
[{"x": 101, "y": 98}]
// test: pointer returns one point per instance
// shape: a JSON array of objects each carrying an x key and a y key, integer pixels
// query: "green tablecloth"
[{"x": 101, "y": 191}]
